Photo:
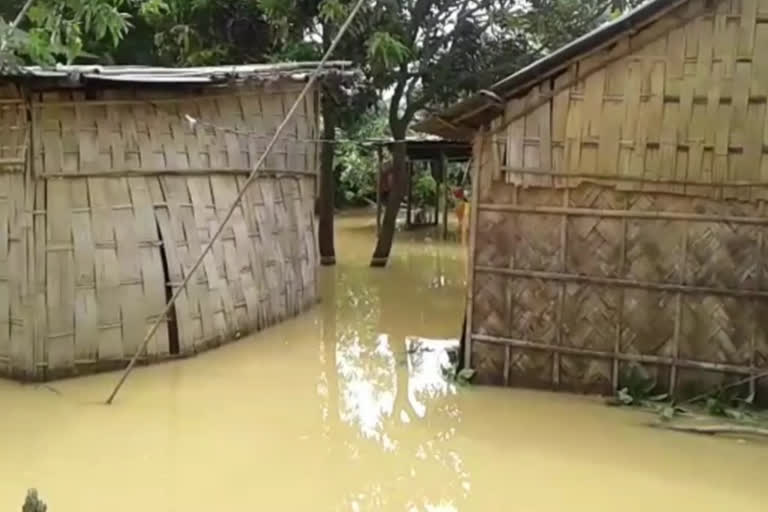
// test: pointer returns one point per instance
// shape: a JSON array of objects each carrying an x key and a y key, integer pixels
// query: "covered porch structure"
[{"x": 424, "y": 154}]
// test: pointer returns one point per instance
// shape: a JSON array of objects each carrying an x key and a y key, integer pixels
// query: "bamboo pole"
[
  {"x": 622, "y": 282},
  {"x": 296, "y": 104},
  {"x": 610, "y": 355},
  {"x": 472, "y": 219},
  {"x": 622, "y": 214},
  {"x": 743, "y": 430},
  {"x": 129, "y": 173}
]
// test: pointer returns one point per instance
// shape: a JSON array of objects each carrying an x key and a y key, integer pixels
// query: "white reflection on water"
[{"x": 369, "y": 385}]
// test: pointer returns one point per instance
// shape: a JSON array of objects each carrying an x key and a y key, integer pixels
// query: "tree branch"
[{"x": 14, "y": 24}]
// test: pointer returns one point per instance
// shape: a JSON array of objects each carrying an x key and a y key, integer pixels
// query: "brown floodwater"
[{"x": 345, "y": 408}]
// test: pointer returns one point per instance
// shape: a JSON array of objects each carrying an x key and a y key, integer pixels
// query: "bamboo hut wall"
[
  {"x": 15, "y": 226},
  {"x": 621, "y": 218},
  {"x": 126, "y": 193}
]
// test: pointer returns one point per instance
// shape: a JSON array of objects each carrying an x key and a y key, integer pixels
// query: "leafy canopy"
[{"x": 60, "y": 30}]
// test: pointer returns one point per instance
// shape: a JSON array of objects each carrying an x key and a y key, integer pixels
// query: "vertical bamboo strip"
[
  {"x": 562, "y": 289},
  {"x": 679, "y": 311},
  {"x": 760, "y": 279},
  {"x": 622, "y": 297}
]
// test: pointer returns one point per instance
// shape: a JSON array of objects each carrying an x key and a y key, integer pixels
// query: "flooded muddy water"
[{"x": 346, "y": 409}]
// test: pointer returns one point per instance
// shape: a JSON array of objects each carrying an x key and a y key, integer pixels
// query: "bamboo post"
[
  {"x": 678, "y": 313},
  {"x": 561, "y": 291},
  {"x": 615, "y": 364},
  {"x": 755, "y": 303},
  {"x": 473, "y": 223},
  {"x": 286, "y": 120}
]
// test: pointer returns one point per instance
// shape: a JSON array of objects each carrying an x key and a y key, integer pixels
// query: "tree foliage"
[
  {"x": 549, "y": 24},
  {"x": 207, "y": 32},
  {"x": 61, "y": 30}
]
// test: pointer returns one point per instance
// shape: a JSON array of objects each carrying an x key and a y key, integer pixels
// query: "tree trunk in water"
[
  {"x": 396, "y": 193},
  {"x": 327, "y": 183}
]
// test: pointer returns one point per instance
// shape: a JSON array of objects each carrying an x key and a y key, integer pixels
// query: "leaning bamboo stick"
[
  {"x": 748, "y": 430},
  {"x": 296, "y": 104}
]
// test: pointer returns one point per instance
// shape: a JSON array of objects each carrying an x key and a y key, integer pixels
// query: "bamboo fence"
[
  {"x": 107, "y": 197},
  {"x": 619, "y": 220}
]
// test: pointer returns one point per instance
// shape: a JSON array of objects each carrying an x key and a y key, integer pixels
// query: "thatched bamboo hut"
[
  {"x": 619, "y": 221},
  {"x": 112, "y": 180}
]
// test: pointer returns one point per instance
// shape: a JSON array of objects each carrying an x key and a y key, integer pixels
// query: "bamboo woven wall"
[
  {"x": 15, "y": 328},
  {"x": 126, "y": 193},
  {"x": 621, "y": 217}
]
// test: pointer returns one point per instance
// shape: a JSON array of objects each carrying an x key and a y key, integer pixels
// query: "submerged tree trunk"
[
  {"x": 396, "y": 193},
  {"x": 327, "y": 183}
]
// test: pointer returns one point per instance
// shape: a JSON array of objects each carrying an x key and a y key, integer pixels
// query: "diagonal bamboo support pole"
[{"x": 299, "y": 100}]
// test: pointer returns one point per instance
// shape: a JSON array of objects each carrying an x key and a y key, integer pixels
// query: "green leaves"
[
  {"x": 59, "y": 30},
  {"x": 333, "y": 11},
  {"x": 386, "y": 52}
]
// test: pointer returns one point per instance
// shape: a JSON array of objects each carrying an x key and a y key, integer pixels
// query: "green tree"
[
  {"x": 207, "y": 32},
  {"x": 51, "y": 31},
  {"x": 549, "y": 24},
  {"x": 429, "y": 52}
]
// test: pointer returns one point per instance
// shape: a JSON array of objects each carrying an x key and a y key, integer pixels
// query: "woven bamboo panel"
[
  {"x": 574, "y": 286},
  {"x": 118, "y": 132},
  {"x": 105, "y": 279},
  {"x": 621, "y": 222},
  {"x": 674, "y": 106},
  {"x": 15, "y": 224},
  {"x": 121, "y": 194}
]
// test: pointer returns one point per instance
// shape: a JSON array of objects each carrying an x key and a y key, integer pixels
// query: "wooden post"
[
  {"x": 446, "y": 194},
  {"x": 379, "y": 152},
  {"x": 409, "y": 196},
  {"x": 438, "y": 164}
]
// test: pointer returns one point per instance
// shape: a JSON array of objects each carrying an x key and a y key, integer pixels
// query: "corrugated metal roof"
[
  {"x": 474, "y": 108},
  {"x": 193, "y": 75}
]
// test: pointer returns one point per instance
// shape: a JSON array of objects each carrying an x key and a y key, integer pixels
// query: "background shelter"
[
  {"x": 620, "y": 223},
  {"x": 433, "y": 153},
  {"x": 112, "y": 180}
]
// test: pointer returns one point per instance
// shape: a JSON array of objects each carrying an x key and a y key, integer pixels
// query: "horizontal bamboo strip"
[
  {"x": 631, "y": 179},
  {"x": 184, "y": 100},
  {"x": 635, "y": 358},
  {"x": 699, "y": 99},
  {"x": 13, "y": 321},
  {"x": 622, "y": 214},
  {"x": 630, "y": 144},
  {"x": 175, "y": 172},
  {"x": 622, "y": 282}
]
